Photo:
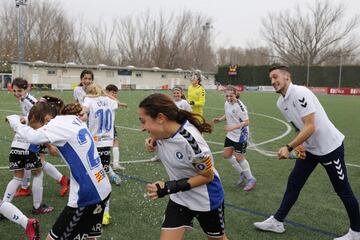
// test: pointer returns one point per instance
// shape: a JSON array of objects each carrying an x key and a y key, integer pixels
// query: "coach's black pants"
[{"x": 334, "y": 165}]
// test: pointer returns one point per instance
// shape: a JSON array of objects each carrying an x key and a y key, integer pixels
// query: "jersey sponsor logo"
[
  {"x": 100, "y": 175},
  {"x": 303, "y": 103},
  {"x": 80, "y": 236},
  {"x": 179, "y": 155},
  {"x": 98, "y": 209},
  {"x": 13, "y": 165},
  {"x": 104, "y": 153},
  {"x": 19, "y": 152}
]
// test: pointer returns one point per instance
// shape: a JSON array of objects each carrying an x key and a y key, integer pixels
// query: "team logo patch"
[
  {"x": 179, "y": 155},
  {"x": 201, "y": 166}
]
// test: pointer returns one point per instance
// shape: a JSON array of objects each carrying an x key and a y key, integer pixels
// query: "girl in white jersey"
[
  {"x": 20, "y": 89},
  {"x": 89, "y": 185},
  {"x": 101, "y": 119},
  {"x": 195, "y": 188},
  {"x": 237, "y": 128},
  {"x": 86, "y": 79},
  {"x": 180, "y": 100},
  {"x": 24, "y": 156}
]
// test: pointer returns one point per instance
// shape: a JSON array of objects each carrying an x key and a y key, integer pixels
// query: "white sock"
[
  {"x": 116, "y": 156},
  {"x": 107, "y": 206},
  {"x": 13, "y": 214},
  {"x": 11, "y": 189},
  {"x": 51, "y": 170},
  {"x": 244, "y": 164},
  {"x": 235, "y": 164},
  {"x": 26, "y": 180},
  {"x": 37, "y": 189},
  {"x": 110, "y": 171}
]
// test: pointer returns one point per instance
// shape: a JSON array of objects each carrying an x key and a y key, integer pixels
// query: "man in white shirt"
[{"x": 323, "y": 143}]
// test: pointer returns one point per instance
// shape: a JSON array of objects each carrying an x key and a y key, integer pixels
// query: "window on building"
[
  {"x": 51, "y": 72},
  {"x": 138, "y": 74},
  {"x": 163, "y": 75},
  {"x": 124, "y": 72}
]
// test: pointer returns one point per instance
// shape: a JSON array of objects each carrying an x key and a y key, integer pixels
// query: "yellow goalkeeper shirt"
[{"x": 197, "y": 95}]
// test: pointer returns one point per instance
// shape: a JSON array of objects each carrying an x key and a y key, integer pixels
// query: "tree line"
[{"x": 183, "y": 39}]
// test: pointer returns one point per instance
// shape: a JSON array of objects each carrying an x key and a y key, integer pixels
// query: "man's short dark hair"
[
  {"x": 280, "y": 67},
  {"x": 20, "y": 83},
  {"x": 112, "y": 87}
]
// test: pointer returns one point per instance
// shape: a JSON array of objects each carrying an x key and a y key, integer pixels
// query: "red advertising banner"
[
  {"x": 341, "y": 91},
  {"x": 240, "y": 88},
  {"x": 324, "y": 90},
  {"x": 355, "y": 91}
]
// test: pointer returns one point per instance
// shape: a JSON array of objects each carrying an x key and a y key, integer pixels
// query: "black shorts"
[
  {"x": 211, "y": 222},
  {"x": 239, "y": 147},
  {"x": 104, "y": 153},
  {"x": 79, "y": 223},
  {"x": 23, "y": 159},
  {"x": 43, "y": 149}
]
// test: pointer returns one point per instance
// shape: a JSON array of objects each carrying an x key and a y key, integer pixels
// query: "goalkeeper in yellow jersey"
[{"x": 196, "y": 94}]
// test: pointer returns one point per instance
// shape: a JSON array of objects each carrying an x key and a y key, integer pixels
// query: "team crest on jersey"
[
  {"x": 200, "y": 166},
  {"x": 179, "y": 155}
]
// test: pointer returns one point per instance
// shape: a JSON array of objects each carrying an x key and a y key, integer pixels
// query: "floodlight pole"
[
  {"x": 340, "y": 68},
  {"x": 20, "y": 40},
  {"x": 308, "y": 70}
]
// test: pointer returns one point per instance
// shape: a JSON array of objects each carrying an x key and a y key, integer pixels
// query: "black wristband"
[
  {"x": 289, "y": 148},
  {"x": 173, "y": 187}
]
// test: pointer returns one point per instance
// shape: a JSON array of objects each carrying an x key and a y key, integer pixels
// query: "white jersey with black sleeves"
[
  {"x": 184, "y": 105},
  {"x": 236, "y": 113},
  {"x": 299, "y": 102},
  {"x": 179, "y": 155},
  {"x": 101, "y": 119}
]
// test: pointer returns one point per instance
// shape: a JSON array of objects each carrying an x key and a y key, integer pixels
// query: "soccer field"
[{"x": 318, "y": 213}]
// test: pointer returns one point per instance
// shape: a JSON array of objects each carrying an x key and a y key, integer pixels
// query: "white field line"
[{"x": 252, "y": 146}]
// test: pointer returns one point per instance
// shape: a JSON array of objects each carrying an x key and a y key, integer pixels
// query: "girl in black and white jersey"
[{"x": 194, "y": 185}]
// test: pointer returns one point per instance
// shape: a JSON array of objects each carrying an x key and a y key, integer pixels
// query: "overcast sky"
[{"x": 235, "y": 22}]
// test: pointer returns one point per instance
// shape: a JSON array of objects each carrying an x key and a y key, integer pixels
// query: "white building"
[{"x": 66, "y": 76}]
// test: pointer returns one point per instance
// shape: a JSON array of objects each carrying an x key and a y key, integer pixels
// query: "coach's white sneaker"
[
  {"x": 270, "y": 224},
  {"x": 351, "y": 235}
]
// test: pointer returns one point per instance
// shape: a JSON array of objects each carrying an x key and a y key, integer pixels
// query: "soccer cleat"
[
  {"x": 64, "y": 182},
  {"x": 118, "y": 167},
  {"x": 115, "y": 179},
  {"x": 32, "y": 230},
  {"x": 242, "y": 181},
  {"x": 43, "y": 209},
  {"x": 250, "y": 185},
  {"x": 106, "y": 218},
  {"x": 271, "y": 225},
  {"x": 351, "y": 235},
  {"x": 23, "y": 192}
]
